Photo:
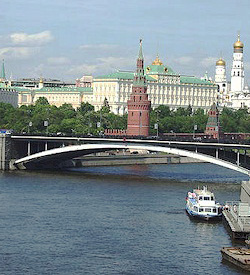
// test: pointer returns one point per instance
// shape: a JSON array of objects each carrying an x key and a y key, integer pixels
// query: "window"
[
  {"x": 200, "y": 198},
  {"x": 201, "y": 210},
  {"x": 195, "y": 208},
  {"x": 207, "y": 209},
  {"x": 214, "y": 210},
  {"x": 238, "y": 73},
  {"x": 206, "y": 198},
  {"x": 212, "y": 198}
]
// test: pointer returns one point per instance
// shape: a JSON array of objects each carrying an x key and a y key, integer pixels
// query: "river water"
[{"x": 112, "y": 220}]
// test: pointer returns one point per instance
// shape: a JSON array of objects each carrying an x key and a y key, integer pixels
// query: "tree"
[
  {"x": 42, "y": 101},
  {"x": 84, "y": 108}
]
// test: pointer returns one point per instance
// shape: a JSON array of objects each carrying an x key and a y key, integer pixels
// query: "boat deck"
[{"x": 239, "y": 256}]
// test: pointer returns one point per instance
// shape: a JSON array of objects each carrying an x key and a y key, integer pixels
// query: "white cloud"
[
  {"x": 58, "y": 60},
  {"x": 115, "y": 62},
  {"x": 102, "y": 47},
  {"x": 208, "y": 61},
  {"x": 247, "y": 65},
  {"x": 36, "y": 39},
  {"x": 184, "y": 60},
  {"x": 18, "y": 52},
  {"x": 83, "y": 69}
]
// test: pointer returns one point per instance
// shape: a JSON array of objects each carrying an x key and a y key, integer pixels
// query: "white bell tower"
[
  {"x": 237, "y": 73},
  {"x": 220, "y": 75}
]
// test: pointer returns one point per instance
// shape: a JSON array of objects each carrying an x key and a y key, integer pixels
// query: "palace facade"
[{"x": 164, "y": 87}]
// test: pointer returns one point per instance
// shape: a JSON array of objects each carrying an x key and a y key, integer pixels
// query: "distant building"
[
  {"x": 85, "y": 81},
  {"x": 164, "y": 87},
  {"x": 33, "y": 83},
  {"x": 7, "y": 94},
  {"x": 55, "y": 96},
  {"x": 234, "y": 94}
]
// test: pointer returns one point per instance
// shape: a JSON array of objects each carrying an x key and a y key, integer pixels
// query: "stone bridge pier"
[{"x": 5, "y": 151}]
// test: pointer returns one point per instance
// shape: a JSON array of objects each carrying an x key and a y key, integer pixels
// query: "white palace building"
[
  {"x": 234, "y": 94},
  {"x": 165, "y": 87}
]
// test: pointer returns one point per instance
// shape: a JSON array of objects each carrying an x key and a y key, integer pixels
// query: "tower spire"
[
  {"x": 140, "y": 51},
  {"x": 3, "y": 76}
]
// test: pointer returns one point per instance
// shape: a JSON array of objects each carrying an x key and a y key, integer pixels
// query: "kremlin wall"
[{"x": 161, "y": 86}]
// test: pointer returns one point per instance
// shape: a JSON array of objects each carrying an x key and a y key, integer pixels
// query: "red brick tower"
[
  {"x": 138, "y": 104},
  {"x": 213, "y": 124}
]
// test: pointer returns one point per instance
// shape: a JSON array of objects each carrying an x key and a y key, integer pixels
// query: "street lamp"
[
  {"x": 195, "y": 129},
  {"x": 30, "y": 125},
  {"x": 46, "y": 124},
  {"x": 157, "y": 121}
]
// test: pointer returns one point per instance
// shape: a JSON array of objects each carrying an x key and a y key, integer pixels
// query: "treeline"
[{"x": 45, "y": 118}]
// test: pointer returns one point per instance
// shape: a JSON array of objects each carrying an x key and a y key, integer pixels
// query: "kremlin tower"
[
  {"x": 213, "y": 124},
  {"x": 237, "y": 73},
  {"x": 138, "y": 104}
]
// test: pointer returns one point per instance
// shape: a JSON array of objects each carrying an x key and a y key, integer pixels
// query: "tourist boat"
[
  {"x": 201, "y": 204},
  {"x": 239, "y": 256}
]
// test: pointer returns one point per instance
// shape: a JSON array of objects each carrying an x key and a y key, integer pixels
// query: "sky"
[{"x": 66, "y": 39}]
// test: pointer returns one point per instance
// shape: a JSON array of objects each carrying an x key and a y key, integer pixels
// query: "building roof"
[
  {"x": 57, "y": 89},
  {"x": 122, "y": 75},
  {"x": 194, "y": 80}
]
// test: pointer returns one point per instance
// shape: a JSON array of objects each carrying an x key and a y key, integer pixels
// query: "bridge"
[{"x": 41, "y": 152}]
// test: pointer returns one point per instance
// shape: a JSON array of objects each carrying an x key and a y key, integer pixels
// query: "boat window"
[
  {"x": 201, "y": 209},
  {"x": 206, "y": 198},
  {"x": 208, "y": 210},
  {"x": 214, "y": 210},
  {"x": 195, "y": 208},
  {"x": 212, "y": 198},
  {"x": 200, "y": 198}
]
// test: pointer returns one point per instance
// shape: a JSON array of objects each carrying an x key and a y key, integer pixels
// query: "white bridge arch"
[{"x": 65, "y": 153}]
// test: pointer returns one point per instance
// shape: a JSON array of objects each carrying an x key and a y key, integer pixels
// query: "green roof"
[
  {"x": 194, "y": 80},
  {"x": 159, "y": 69},
  {"x": 122, "y": 75},
  {"x": 56, "y": 89}
]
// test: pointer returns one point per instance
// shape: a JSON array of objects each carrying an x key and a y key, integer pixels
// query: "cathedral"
[{"x": 234, "y": 94}]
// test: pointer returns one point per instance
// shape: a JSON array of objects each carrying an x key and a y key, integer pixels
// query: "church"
[{"x": 234, "y": 94}]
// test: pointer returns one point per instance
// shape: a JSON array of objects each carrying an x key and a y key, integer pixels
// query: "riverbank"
[{"x": 111, "y": 160}]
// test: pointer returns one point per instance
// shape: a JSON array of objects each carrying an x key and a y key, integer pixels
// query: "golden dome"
[
  {"x": 238, "y": 43},
  {"x": 220, "y": 62},
  {"x": 157, "y": 61}
]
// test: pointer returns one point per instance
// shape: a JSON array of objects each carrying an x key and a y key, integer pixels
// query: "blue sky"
[{"x": 67, "y": 39}]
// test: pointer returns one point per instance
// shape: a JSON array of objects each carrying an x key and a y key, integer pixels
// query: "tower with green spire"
[
  {"x": 138, "y": 104},
  {"x": 2, "y": 75}
]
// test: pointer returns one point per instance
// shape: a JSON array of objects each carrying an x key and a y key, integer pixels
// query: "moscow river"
[{"x": 112, "y": 220}]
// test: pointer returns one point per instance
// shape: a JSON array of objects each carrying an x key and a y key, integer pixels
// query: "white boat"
[{"x": 201, "y": 204}]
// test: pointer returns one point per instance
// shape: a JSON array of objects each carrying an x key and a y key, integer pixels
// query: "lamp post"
[
  {"x": 195, "y": 129},
  {"x": 46, "y": 124},
  {"x": 29, "y": 125},
  {"x": 157, "y": 121}
]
